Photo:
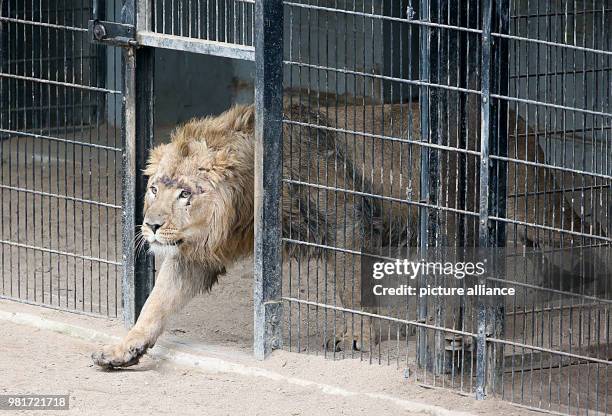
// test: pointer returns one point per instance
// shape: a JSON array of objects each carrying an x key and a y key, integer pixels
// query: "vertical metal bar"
[
  {"x": 268, "y": 175},
  {"x": 492, "y": 186},
  {"x": 144, "y": 15},
  {"x": 424, "y": 75},
  {"x": 483, "y": 229},
  {"x": 498, "y": 145},
  {"x": 128, "y": 185},
  {"x": 137, "y": 137}
]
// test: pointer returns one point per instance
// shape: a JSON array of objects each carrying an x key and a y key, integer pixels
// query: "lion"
[{"x": 199, "y": 205}]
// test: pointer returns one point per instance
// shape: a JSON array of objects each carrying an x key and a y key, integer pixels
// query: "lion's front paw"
[
  {"x": 120, "y": 355},
  {"x": 348, "y": 342}
]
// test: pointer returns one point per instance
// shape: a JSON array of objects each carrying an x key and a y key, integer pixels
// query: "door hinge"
[{"x": 112, "y": 33}]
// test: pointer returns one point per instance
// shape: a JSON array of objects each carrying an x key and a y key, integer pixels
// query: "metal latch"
[{"x": 112, "y": 33}]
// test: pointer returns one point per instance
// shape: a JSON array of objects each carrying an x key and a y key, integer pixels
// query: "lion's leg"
[
  {"x": 359, "y": 333},
  {"x": 172, "y": 291}
]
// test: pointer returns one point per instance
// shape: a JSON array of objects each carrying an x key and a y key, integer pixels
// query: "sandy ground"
[{"x": 35, "y": 360}]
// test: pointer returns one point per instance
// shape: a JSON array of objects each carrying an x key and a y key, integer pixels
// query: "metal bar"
[
  {"x": 557, "y": 44},
  {"x": 449, "y": 88},
  {"x": 420, "y": 82},
  {"x": 548, "y": 228},
  {"x": 268, "y": 175},
  {"x": 63, "y": 84},
  {"x": 380, "y": 197},
  {"x": 483, "y": 226},
  {"x": 57, "y": 139},
  {"x": 128, "y": 185},
  {"x": 144, "y": 15},
  {"x": 498, "y": 178},
  {"x": 137, "y": 131},
  {"x": 58, "y": 252},
  {"x": 53, "y": 307},
  {"x": 203, "y": 46},
  {"x": 145, "y": 112},
  {"x": 42, "y": 24},
  {"x": 383, "y": 137},
  {"x": 58, "y": 196},
  {"x": 425, "y": 195},
  {"x": 422, "y": 22}
]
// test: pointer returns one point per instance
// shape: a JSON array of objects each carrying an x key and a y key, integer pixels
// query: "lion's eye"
[
  {"x": 153, "y": 190},
  {"x": 185, "y": 194}
]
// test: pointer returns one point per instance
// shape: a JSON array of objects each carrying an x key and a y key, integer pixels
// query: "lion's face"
[
  {"x": 199, "y": 198},
  {"x": 189, "y": 204},
  {"x": 169, "y": 220}
]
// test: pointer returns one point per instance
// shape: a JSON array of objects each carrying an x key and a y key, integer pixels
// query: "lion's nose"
[{"x": 154, "y": 226}]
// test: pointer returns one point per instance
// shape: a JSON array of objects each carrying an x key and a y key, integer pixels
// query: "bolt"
[
  {"x": 99, "y": 31},
  {"x": 410, "y": 13},
  {"x": 275, "y": 343}
]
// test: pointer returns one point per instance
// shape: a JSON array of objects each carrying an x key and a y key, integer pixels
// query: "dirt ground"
[{"x": 35, "y": 360}]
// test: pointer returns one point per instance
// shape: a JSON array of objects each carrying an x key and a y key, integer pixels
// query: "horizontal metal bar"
[
  {"x": 553, "y": 308},
  {"x": 60, "y": 253},
  {"x": 203, "y": 46},
  {"x": 57, "y": 139},
  {"x": 383, "y": 137},
  {"x": 572, "y": 13},
  {"x": 550, "y": 290},
  {"x": 446, "y": 330},
  {"x": 549, "y": 43},
  {"x": 332, "y": 248},
  {"x": 562, "y": 73},
  {"x": 548, "y": 228},
  {"x": 560, "y": 191},
  {"x": 551, "y": 105},
  {"x": 58, "y": 196},
  {"x": 57, "y": 308},
  {"x": 383, "y": 77},
  {"x": 569, "y": 133},
  {"x": 60, "y": 83},
  {"x": 552, "y": 167},
  {"x": 377, "y": 316},
  {"x": 382, "y": 17},
  {"x": 445, "y": 87},
  {"x": 42, "y": 24},
  {"x": 381, "y": 197},
  {"x": 549, "y": 350}
]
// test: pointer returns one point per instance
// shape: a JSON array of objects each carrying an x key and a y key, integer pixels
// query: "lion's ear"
[{"x": 155, "y": 158}]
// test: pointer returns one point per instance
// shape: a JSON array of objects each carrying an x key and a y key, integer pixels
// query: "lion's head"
[{"x": 199, "y": 201}]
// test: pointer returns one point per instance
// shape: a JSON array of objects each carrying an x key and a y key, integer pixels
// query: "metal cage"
[
  {"x": 61, "y": 158},
  {"x": 386, "y": 127}
]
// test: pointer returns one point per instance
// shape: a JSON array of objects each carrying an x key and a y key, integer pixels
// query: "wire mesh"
[
  {"x": 387, "y": 105},
  {"x": 61, "y": 155},
  {"x": 225, "y": 21}
]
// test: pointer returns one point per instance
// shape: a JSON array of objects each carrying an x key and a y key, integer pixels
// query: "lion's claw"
[{"x": 119, "y": 356}]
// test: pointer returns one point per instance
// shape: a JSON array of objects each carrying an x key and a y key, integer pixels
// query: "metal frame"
[
  {"x": 139, "y": 36},
  {"x": 268, "y": 306},
  {"x": 137, "y": 134},
  {"x": 52, "y": 119}
]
